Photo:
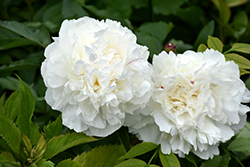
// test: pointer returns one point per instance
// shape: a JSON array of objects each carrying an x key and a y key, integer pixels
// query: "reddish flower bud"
[{"x": 170, "y": 47}]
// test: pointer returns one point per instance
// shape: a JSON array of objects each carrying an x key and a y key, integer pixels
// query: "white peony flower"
[
  {"x": 95, "y": 74},
  {"x": 196, "y": 103}
]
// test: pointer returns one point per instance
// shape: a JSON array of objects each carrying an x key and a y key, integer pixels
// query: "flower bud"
[{"x": 170, "y": 47}]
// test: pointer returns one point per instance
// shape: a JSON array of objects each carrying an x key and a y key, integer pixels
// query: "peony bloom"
[
  {"x": 196, "y": 103},
  {"x": 95, "y": 73}
]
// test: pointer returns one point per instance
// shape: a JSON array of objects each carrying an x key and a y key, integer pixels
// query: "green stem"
[{"x": 151, "y": 159}]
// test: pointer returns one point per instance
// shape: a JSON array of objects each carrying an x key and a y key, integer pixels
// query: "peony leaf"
[
  {"x": 124, "y": 138},
  {"x": 224, "y": 10},
  {"x": 238, "y": 59},
  {"x": 233, "y": 3},
  {"x": 10, "y": 133},
  {"x": 240, "y": 47},
  {"x": 102, "y": 156},
  {"x": 132, "y": 163},
  {"x": 6, "y": 157},
  {"x": 202, "y": 48},
  {"x": 32, "y": 62},
  {"x": 215, "y": 43},
  {"x": 190, "y": 158},
  {"x": 243, "y": 71},
  {"x": 2, "y": 101},
  {"x": 12, "y": 105},
  {"x": 217, "y": 161},
  {"x": 68, "y": 163},
  {"x": 159, "y": 30},
  {"x": 13, "y": 43},
  {"x": 71, "y": 9},
  {"x": 63, "y": 142},
  {"x": 166, "y": 7},
  {"x": 139, "y": 149},
  {"x": 207, "y": 30},
  {"x": 10, "y": 83},
  {"x": 53, "y": 128},
  {"x": 169, "y": 160},
  {"x": 22, "y": 30},
  {"x": 44, "y": 163},
  {"x": 27, "y": 106}
]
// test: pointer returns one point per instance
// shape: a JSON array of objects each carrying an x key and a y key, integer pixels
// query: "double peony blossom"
[
  {"x": 95, "y": 74},
  {"x": 196, "y": 103},
  {"x": 100, "y": 80}
]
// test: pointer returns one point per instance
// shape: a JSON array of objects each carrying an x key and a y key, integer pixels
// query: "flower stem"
[{"x": 151, "y": 159}]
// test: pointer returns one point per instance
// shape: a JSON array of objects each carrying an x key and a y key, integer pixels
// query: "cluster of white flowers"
[{"x": 99, "y": 78}]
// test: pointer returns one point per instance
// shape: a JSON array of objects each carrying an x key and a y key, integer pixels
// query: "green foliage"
[
  {"x": 32, "y": 134},
  {"x": 139, "y": 149},
  {"x": 169, "y": 160},
  {"x": 63, "y": 142}
]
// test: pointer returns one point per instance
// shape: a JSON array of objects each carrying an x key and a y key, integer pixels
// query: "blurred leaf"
[
  {"x": 28, "y": 63},
  {"x": 207, "y": 30},
  {"x": 124, "y": 138},
  {"x": 215, "y": 43},
  {"x": 138, "y": 3},
  {"x": 68, "y": 163},
  {"x": 151, "y": 42},
  {"x": 166, "y": 7},
  {"x": 12, "y": 43},
  {"x": 22, "y": 30},
  {"x": 72, "y": 9},
  {"x": 63, "y": 142},
  {"x": 233, "y": 3},
  {"x": 44, "y": 163},
  {"x": 247, "y": 82},
  {"x": 5, "y": 164},
  {"x": 238, "y": 59},
  {"x": 12, "y": 105},
  {"x": 10, "y": 133},
  {"x": 139, "y": 149},
  {"x": 202, "y": 48},
  {"x": 10, "y": 83},
  {"x": 7, "y": 157},
  {"x": 243, "y": 71},
  {"x": 217, "y": 161},
  {"x": 24, "y": 121},
  {"x": 240, "y": 47},
  {"x": 180, "y": 45},
  {"x": 2, "y": 101},
  {"x": 169, "y": 160},
  {"x": 159, "y": 30},
  {"x": 102, "y": 156},
  {"x": 190, "y": 158},
  {"x": 81, "y": 158},
  {"x": 224, "y": 10},
  {"x": 132, "y": 163},
  {"x": 53, "y": 128}
]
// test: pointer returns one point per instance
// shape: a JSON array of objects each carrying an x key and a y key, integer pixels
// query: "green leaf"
[
  {"x": 5, "y": 164},
  {"x": 13, "y": 43},
  {"x": 102, "y": 156},
  {"x": 22, "y": 30},
  {"x": 238, "y": 59},
  {"x": 233, "y": 3},
  {"x": 63, "y": 142},
  {"x": 72, "y": 9},
  {"x": 2, "y": 101},
  {"x": 139, "y": 149},
  {"x": 10, "y": 83},
  {"x": 10, "y": 133},
  {"x": 217, "y": 161},
  {"x": 6, "y": 157},
  {"x": 22, "y": 64},
  {"x": 240, "y": 47},
  {"x": 12, "y": 105},
  {"x": 81, "y": 158},
  {"x": 124, "y": 138},
  {"x": 243, "y": 71},
  {"x": 169, "y": 160},
  {"x": 53, "y": 128},
  {"x": 190, "y": 158},
  {"x": 215, "y": 43},
  {"x": 68, "y": 163},
  {"x": 159, "y": 30},
  {"x": 202, "y": 48},
  {"x": 166, "y": 7},
  {"x": 207, "y": 30},
  {"x": 224, "y": 10},
  {"x": 132, "y": 163},
  {"x": 44, "y": 163},
  {"x": 27, "y": 107}
]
